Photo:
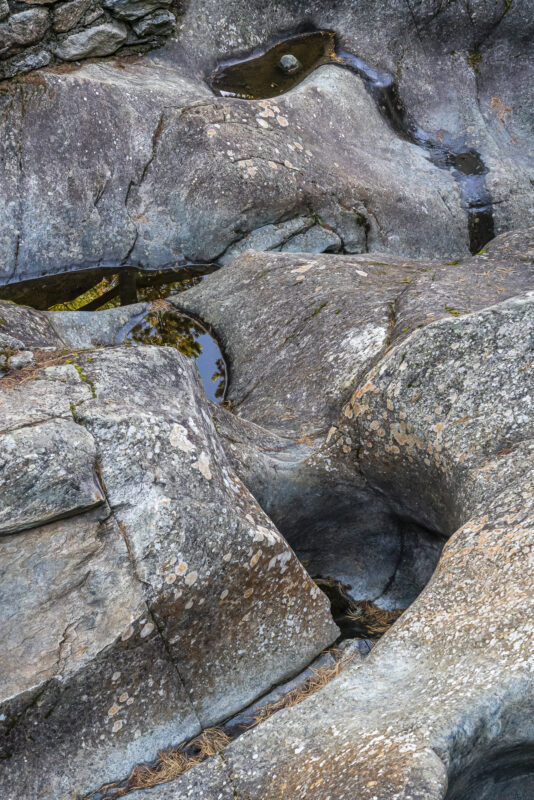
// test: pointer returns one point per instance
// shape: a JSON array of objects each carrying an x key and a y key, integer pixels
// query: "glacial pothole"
[
  {"x": 507, "y": 774},
  {"x": 261, "y": 75}
]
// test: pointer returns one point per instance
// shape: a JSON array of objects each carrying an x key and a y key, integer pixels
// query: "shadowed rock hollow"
[{"x": 158, "y": 551}]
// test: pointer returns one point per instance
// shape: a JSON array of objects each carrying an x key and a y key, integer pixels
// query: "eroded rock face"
[
  {"x": 128, "y": 657},
  {"x": 172, "y": 173}
]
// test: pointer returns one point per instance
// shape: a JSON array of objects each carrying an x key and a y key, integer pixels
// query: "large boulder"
[
  {"x": 170, "y": 605},
  {"x": 299, "y": 332}
]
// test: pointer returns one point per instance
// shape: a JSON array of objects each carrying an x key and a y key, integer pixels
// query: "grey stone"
[
  {"x": 67, "y": 15},
  {"x": 210, "y": 780},
  {"x": 160, "y": 22},
  {"x": 134, "y": 9},
  {"x": 268, "y": 237},
  {"x": 21, "y": 360},
  {"x": 405, "y": 205},
  {"x": 289, "y": 64},
  {"x": 315, "y": 240},
  {"x": 159, "y": 463},
  {"x": 84, "y": 662},
  {"x": 409, "y": 720},
  {"x": 52, "y": 466},
  {"x": 23, "y": 28},
  {"x": 298, "y": 331},
  {"x": 102, "y": 40},
  {"x": 4, "y": 9},
  {"x": 24, "y": 63}
]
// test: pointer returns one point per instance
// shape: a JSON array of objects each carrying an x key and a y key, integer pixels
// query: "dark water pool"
[{"x": 110, "y": 287}]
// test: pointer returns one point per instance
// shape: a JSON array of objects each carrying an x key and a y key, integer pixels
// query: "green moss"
[
  {"x": 481, "y": 252},
  {"x": 473, "y": 59},
  {"x": 319, "y": 308},
  {"x": 453, "y": 311},
  {"x": 454, "y": 262},
  {"x": 84, "y": 378}
]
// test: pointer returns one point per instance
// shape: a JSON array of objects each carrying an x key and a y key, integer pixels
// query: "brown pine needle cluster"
[
  {"x": 173, "y": 763},
  {"x": 376, "y": 620},
  {"x": 320, "y": 678}
]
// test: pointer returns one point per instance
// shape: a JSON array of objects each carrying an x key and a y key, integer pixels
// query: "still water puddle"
[
  {"x": 107, "y": 288},
  {"x": 174, "y": 329}
]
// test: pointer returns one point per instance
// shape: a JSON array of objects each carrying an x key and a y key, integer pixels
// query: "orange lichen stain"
[
  {"x": 348, "y": 412},
  {"x": 368, "y": 387},
  {"x": 359, "y": 409}
]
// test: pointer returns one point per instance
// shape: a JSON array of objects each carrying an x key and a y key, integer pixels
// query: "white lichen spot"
[
  {"x": 191, "y": 577},
  {"x": 211, "y": 132},
  {"x": 170, "y": 578},
  {"x": 224, "y": 594},
  {"x": 203, "y": 465},
  {"x": 282, "y": 121},
  {"x": 130, "y": 701},
  {"x": 115, "y": 677},
  {"x": 262, "y": 122},
  {"x": 127, "y": 633},
  {"x": 178, "y": 438},
  {"x": 124, "y": 697},
  {"x": 227, "y": 556},
  {"x": 117, "y": 726},
  {"x": 113, "y": 710},
  {"x": 147, "y": 630},
  {"x": 255, "y": 558},
  {"x": 189, "y": 604},
  {"x": 248, "y": 592},
  {"x": 181, "y": 569}
]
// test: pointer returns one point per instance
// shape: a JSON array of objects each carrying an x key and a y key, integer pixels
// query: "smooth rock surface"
[{"x": 449, "y": 689}]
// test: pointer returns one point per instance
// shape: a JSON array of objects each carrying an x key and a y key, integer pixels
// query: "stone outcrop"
[
  {"x": 160, "y": 556},
  {"x": 442, "y": 426}
]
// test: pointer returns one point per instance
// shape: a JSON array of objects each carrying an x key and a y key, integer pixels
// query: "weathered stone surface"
[
  {"x": 102, "y": 40},
  {"x": 210, "y": 780},
  {"x": 159, "y": 22},
  {"x": 68, "y": 15},
  {"x": 134, "y": 9},
  {"x": 86, "y": 677},
  {"x": 4, "y": 9},
  {"x": 51, "y": 466},
  {"x": 198, "y": 556},
  {"x": 449, "y": 690},
  {"x": 299, "y": 331},
  {"x": 359, "y": 169},
  {"x": 25, "y": 63}
]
